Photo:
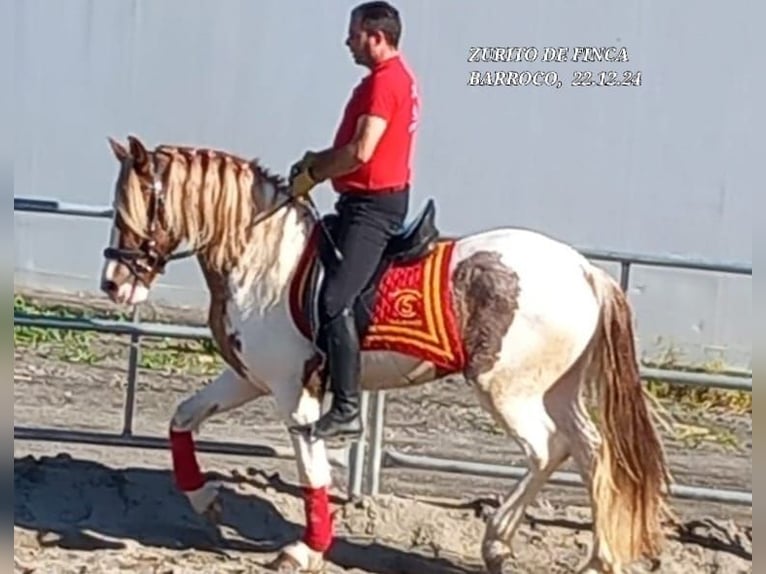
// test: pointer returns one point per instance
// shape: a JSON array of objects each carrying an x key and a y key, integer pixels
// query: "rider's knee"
[{"x": 331, "y": 304}]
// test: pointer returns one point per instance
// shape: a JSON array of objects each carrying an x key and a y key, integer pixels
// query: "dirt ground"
[{"x": 85, "y": 508}]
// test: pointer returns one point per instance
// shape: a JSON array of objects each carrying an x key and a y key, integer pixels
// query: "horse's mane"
[{"x": 211, "y": 199}]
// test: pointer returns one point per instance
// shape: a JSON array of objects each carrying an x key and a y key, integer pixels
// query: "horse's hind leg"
[
  {"x": 543, "y": 461},
  {"x": 566, "y": 405},
  {"x": 584, "y": 439},
  {"x": 518, "y": 406}
]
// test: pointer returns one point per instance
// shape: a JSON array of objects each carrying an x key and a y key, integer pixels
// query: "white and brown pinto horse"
[{"x": 542, "y": 336}]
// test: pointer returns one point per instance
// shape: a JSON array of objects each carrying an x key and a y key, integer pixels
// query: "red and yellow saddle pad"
[{"x": 413, "y": 311}]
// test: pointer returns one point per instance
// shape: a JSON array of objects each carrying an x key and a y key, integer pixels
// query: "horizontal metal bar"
[
  {"x": 56, "y": 207},
  {"x": 336, "y": 457},
  {"x": 709, "y": 380},
  {"x": 112, "y": 326},
  {"x": 53, "y": 206},
  {"x": 191, "y": 332},
  {"x": 145, "y": 441},
  {"x": 395, "y": 459},
  {"x": 673, "y": 261}
]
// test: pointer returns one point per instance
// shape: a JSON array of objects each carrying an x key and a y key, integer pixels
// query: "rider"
[{"x": 369, "y": 166}]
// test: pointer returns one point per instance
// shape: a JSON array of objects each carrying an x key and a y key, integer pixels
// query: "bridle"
[{"x": 147, "y": 258}]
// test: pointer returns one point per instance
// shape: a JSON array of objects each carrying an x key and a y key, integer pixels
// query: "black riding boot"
[{"x": 342, "y": 344}]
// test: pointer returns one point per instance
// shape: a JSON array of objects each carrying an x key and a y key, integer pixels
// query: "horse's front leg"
[
  {"x": 300, "y": 406},
  {"x": 226, "y": 392}
]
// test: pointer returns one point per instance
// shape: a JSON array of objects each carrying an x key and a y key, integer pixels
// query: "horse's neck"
[{"x": 260, "y": 279}]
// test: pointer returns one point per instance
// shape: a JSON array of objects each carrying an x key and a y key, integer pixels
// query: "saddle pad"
[{"x": 412, "y": 312}]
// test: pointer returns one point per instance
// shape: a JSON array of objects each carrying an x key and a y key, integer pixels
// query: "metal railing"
[{"x": 379, "y": 457}]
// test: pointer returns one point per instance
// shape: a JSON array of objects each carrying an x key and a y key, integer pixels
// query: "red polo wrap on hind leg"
[
  {"x": 319, "y": 531},
  {"x": 186, "y": 470}
]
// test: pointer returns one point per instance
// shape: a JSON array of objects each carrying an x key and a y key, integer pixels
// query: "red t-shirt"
[{"x": 390, "y": 92}]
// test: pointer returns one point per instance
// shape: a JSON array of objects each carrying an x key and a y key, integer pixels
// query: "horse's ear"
[
  {"x": 118, "y": 149},
  {"x": 163, "y": 160},
  {"x": 137, "y": 150}
]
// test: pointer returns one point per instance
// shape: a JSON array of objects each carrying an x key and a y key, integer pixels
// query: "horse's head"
[{"x": 141, "y": 239}]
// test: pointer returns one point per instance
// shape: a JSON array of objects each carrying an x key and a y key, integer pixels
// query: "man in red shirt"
[{"x": 369, "y": 167}]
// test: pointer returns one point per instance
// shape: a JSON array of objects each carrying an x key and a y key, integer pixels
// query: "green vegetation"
[
  {"x": 91, "y": 348},
  {"x": 736, "y": 401}
]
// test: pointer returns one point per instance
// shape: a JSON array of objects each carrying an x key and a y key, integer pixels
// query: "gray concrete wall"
[{"x": 667, "y": 167}]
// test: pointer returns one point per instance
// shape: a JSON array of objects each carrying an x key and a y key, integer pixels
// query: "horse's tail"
[{"x": 630, "y": 478}]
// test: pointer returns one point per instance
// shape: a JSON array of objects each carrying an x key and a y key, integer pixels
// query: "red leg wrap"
[
  {"x": 319, "y": 532},
  {"x": 185, "y": 467}
]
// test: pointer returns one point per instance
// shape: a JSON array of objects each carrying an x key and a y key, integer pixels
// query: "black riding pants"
[{"x": 366, "y": 223}]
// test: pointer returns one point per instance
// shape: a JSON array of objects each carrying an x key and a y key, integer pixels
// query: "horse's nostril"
[{"x": 108, "y": 286}]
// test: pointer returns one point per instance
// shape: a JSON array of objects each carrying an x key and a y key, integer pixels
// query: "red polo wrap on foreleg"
[
  {"x": 186, "y": 470},
  {"x": 319, "y": 533}
]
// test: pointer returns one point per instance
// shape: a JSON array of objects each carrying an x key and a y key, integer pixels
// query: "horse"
[{"x": 542, "y": 336}]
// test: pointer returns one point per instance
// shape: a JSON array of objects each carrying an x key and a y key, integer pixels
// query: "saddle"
[{"x": 414, "y": 241}]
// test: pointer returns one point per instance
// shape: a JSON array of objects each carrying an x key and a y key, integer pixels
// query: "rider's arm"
[{"x": 345, "y": 159}]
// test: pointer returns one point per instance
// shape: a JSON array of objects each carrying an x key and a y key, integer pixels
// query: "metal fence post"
[
  {"x": 625, "y": 275},
  {"x": 130, "y": 392},
  {"x": 358, "y": 451},
  {"x": 376, "y": 443}
]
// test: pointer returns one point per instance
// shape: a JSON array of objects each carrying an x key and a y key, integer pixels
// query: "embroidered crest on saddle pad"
[{"x": 410, "y": 303}]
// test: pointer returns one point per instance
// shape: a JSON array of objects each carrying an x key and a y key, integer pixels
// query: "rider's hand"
[
  {"x": 302, "y": 183},
  {"x": 303, "y": 164}
]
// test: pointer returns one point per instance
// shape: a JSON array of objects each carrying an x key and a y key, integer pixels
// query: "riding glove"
[{"x": 301, "y": 181}]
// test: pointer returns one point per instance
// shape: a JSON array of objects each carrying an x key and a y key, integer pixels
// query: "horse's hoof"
[
  {"x": 498, "y": 557},
  {"x": 283, "y": 563},
  {"x": 596, "y": 566},
  {"x": 204, "y": 498},
  {"x": 298, "y": 558},
  {"x": 484, "y": 508},
  {"x": 214, "y": 512}
]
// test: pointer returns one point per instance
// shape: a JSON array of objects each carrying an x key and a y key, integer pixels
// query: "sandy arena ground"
[{"x": 82, "y": 508}]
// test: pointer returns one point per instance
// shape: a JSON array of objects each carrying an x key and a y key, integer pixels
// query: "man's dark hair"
[{"x": 380, "y": 17}]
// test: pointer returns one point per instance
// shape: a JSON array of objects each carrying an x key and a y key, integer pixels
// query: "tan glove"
[
  {"x": 300, "y": 180},
  {"x": 302, "y": 183},
  {"x": 304, "y": 163}
]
